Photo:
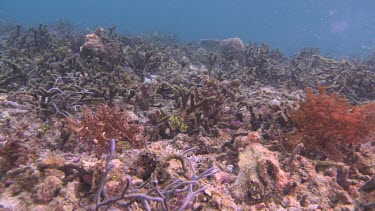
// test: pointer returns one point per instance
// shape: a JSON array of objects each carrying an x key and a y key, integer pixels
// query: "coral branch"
[{"x": 162, "y": 196}]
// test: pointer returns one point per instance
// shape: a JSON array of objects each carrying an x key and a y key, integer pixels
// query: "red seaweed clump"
[
  {"x": 328, "y": 122},
  {"x": 96, "y": 130},
  {"x": 13, "y": 154}
]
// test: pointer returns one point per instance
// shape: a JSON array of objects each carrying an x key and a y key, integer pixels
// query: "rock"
[
  {"x": 260, "y": 176},
  {"x": 48, "y": 189}
]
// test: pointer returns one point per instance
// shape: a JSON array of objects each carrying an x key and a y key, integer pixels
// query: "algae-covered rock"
[{"x": 260, "y": 177}]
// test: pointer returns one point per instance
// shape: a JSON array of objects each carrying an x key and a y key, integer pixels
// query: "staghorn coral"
[
  {"x": 328, "y": 122},
  {"x": 59, "y": 80},
  {"x": 96, "y": 130},
  {"x": 177, "y": 195},
  {"x": 196, "y": 110},
  {"x": 206, "y": 108},
  {"x": 36, "y": 40}
]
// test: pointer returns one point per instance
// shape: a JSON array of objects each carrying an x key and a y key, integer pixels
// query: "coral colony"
[{"x": 106, "y": 121}]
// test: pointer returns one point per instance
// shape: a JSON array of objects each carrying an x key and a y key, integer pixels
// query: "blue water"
[{"x": 337, "y": 27}]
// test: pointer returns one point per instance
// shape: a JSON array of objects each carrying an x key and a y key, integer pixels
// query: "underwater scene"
[{"x": 187, "y": 105}]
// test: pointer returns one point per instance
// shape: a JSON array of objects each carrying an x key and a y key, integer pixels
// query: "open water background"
[{"x": 337, "y": 27}]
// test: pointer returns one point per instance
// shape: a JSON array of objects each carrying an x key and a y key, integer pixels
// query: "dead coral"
[
  {"x": 103, "y": 47},
  {"x": 11, "y": 73},
  {"x": 260, "y": 178},
  {"x": 34, "y": 40},
  {"x": 48, "y": 189},
  {"x": 13, "y": 154}
]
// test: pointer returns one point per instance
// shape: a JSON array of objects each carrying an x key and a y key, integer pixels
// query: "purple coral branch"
[
  {"x": 155, "y": 194},
  {"x": 108, "y": 168}
]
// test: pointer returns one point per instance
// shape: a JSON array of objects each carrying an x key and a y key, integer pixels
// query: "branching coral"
[
  {"x": 183, "y": 191},
  {"x": 144, "y": 57},
  {"x": 199, "y": 109},
  {"x": 205, "y": 109},
  {"x": 36, "y": 40},
  {"x": 60, "y": 80},
  {"x": 96, "y": 130},
  {"x": 329, "y": 121},
  {"x": 14, "y": 73}
]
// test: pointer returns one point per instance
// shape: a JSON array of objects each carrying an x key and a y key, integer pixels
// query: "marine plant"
[
  {"x": 97, "y": 129},
  {"x": 330, "y": 122}
]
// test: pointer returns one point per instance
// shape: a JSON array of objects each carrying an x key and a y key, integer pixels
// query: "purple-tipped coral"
[{"x": 178, "y": 195}]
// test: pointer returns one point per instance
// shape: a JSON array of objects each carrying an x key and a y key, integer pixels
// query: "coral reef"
[{"x": 212, "y": 125}]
